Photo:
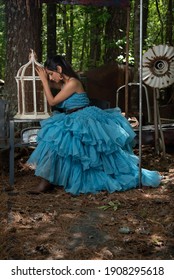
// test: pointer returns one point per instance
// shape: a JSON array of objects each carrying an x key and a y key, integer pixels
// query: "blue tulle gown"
[{"x": 89, "y": 150}]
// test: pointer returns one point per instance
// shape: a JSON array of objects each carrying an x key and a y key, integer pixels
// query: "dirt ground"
[{"x": 136, "y": 224}]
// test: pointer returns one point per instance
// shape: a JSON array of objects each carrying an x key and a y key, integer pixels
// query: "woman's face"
[{"x": 54, "y": 76}]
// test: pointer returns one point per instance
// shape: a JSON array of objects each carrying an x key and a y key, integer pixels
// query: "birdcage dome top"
[{"x": 28, "y": 70}]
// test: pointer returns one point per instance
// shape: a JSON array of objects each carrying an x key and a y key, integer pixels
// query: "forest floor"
[{"x": 136, "y": 224}]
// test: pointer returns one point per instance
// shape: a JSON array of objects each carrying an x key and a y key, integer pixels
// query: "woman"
[{"x": 83, "y": 148}]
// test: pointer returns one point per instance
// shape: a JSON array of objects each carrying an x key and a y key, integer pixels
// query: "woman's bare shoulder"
[{"x": 76, "y": 84}]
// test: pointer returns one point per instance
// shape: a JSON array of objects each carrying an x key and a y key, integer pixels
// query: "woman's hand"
[{"x": 42, "y": 74}]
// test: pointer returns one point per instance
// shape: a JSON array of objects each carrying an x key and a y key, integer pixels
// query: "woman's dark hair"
[{"x": 58, "y": 60}]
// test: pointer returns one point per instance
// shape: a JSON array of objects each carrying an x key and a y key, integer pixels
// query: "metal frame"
[
  {"x": 140, "y": 91},
  {"x": 13, "y": 144},
  {"x": 4, "y": 123},
  {"x": 146, "y": 94}
]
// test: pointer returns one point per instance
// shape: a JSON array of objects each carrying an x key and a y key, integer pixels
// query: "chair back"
[{"x": 103, "y": 104}]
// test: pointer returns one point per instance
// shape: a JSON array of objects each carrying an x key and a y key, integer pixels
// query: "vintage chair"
[
  {"x": 133, "y": 88},
  {"x": 103, "y": 104}
]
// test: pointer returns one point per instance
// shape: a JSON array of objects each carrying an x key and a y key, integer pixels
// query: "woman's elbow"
[{"x": 52, "y": 102}]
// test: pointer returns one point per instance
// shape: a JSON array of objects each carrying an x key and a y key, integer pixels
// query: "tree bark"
[
  {"x": 68, "y": 30},
  {"x": 2, "y": 39},
  {"x": 145, "y": 17},
  {"x": 136, "y": 39},
  {"x": 169, "y": 23},
  {"x": 51, "y": 29},
  {"x": 161, "y": 21},
  {"x": 23, "y": 23},
  {"x": 95, "y": 38},
  {"x": 115, "y": 31},
  {"x": 84, "y": 40}
]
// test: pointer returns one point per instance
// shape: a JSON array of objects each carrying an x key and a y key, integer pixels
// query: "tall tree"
[
  {"x": 23, "y": 25},
  {"x": 71, "y": 33},
  {"x": 51, "y": 29},
  {"x": 2, "y": 39},
  {"x": 136, "y": 37},
  {"x": 115, "y": 34},
  {"x": 68, "y": 30},
  {"x": 84, "y": 41},
  {"x": 145, "y": 17},
  {"x": 161, "y": 21},
  {"x": 169, "y": 23},
  {"x": 95, "y": 37}
]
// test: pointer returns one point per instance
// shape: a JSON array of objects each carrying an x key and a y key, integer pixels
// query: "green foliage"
[
  {"x": 122, "y": 60},
  {"x": 85, "y": 19},
  {"x": 86, "y": 37},
  {"x": 114, "y": 205},
  {"x": 156, "y": 26}
]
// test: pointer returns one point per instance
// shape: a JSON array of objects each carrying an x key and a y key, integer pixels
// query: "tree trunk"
[
  {"x": 95, "y": 38},
  {"x": 134, "y": 100},
  {"x": 169, "y": 23},
  {"x": 23, "y": 23},
  {"x": 68, "y": 30},
  {"x": 2, "y": 39},
  {"x": 84, "y": 41},
  {"x": 51, "y": 29},
  {"x": 115, "y": 31},
  {"x": 136, "y": 39},
  {"x": 71, "y": 27},
  {"x": 161, "y": 21},
  {"x": 145, "y": 17}
]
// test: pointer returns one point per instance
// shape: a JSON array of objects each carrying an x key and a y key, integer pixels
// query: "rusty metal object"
[{"x": 158, "y": 66}]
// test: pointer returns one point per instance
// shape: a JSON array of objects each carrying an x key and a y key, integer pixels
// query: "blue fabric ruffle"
[{"x": 89, "y": 151}]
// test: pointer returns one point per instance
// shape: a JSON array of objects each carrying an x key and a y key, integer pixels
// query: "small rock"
[{"x": 125, "y": 230}]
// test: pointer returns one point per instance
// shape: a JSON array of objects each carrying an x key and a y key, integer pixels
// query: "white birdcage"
[{"x": 32, "y": 103}]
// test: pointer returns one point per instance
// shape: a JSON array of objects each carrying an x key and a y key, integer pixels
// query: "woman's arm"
[
  {"x": 64, "y": 93},
  {"x": 53, "y": 84},
  {"x": 68, "y": 89}
]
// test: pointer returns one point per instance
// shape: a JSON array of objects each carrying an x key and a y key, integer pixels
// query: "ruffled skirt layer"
[{"x": 89, "y": 151}]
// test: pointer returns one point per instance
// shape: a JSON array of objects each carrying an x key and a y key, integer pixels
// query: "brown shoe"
[{"x": 43, "y": 187}]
